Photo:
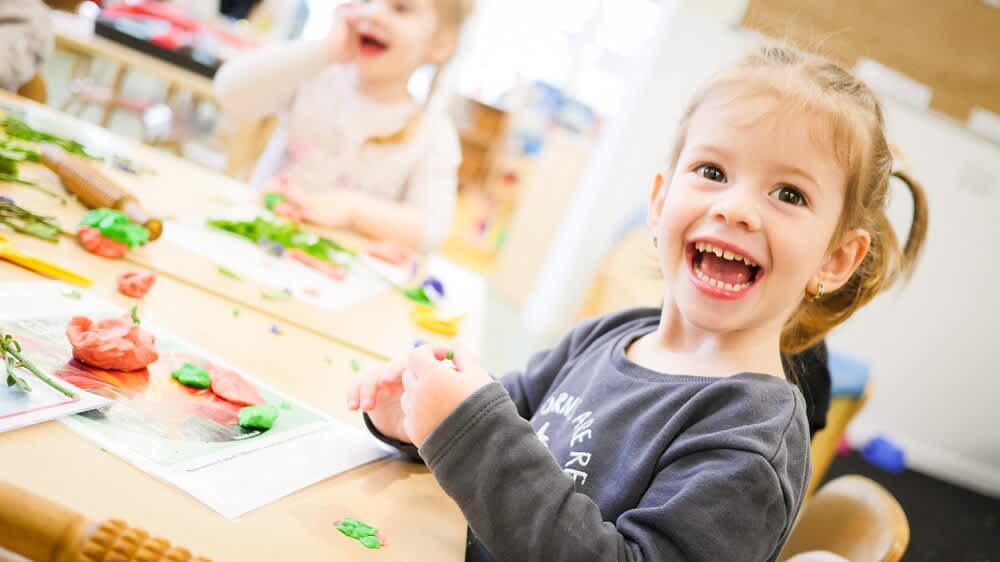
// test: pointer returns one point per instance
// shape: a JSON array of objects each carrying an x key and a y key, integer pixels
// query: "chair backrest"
[
  {"x": 34, "y": 89},
  {"x": 43, "y": 531},
  {"x": 852, "y": 517}
]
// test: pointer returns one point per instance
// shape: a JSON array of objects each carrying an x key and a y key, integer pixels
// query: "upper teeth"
[{"x": 724, "y": 254}]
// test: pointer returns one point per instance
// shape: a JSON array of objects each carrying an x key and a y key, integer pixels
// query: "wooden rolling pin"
[
  {"x": 43, "y": 531},
  {"x": 95, "y": 190}
]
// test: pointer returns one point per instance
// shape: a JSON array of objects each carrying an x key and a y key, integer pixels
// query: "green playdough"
[
  {"x": 417, "y": 294},
  {"x": 272, "y": 199},
  {"x": 192, "y": 375},
  {"x": 370, "y": 542},
  {"x": 364, "y": 533},
  {"x": 261, "y": 416},
  {"x": 116, "y": 226}
]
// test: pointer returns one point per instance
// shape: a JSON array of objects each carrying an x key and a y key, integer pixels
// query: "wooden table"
[
  {"x": 379, "y": 326},
  {"x": 402, "y": 499}
]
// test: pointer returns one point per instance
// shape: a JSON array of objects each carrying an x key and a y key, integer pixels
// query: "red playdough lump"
[
  {"x": 94, "y": 242},
  {"x": 136, "y": 283},
  {"x": 331, "y": 270},
  {"x": 115, "y": 343},
  {"x": 391, "y": 252},
  {"x": 229, "y": 385}
]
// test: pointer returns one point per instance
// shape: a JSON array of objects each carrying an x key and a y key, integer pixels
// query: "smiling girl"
[
  {"x": 361, "y": 154},
  {"x": 672, "y": 433}
]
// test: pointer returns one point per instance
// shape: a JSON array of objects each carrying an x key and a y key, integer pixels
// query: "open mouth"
[
  {"x": 722, "y": 272},
  {"x": 371, "y": 45}
]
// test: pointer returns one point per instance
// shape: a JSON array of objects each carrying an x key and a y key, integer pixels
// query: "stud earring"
[{"x": 819, "y": 293}]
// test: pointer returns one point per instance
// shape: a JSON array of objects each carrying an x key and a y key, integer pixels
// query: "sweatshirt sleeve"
[
  {"x": 713, "y": 503},
  {"x": 263, "y": 82},
  {"x": 25, "y": 41}
]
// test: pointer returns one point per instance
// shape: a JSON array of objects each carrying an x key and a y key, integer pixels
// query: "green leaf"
[
  {"x": 282, "y": 295},
  {"x": 72, "y": 294},
  {"x": 135, "y": 314},
  {"x": 229, "y": 273}
]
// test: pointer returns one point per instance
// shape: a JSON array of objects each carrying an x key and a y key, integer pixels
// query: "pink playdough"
[
  {"x": 331, "y": 270},
  {"x": 115, "y": 343},
  {"x": 136, "y": 283},
  {"x": 94, "y": 242},
  {"x": 391, "y": 252}
]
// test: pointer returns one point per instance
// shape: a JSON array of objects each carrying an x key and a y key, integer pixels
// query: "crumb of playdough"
[
  {"x": 360, "y": 531},
  {"x": 261, "y": 416},
  {"x": 284, "y": 405},
  {"x": 192, "y": 375},
  {"x": 136, "y": 284},
  {"x": 115, "y": 343},
  {"x": 355, "y": 365}
]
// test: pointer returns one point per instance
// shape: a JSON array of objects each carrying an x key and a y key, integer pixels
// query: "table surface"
[
  {"x": 302, "y": 361},
  {"x": 379, "y": 326}
]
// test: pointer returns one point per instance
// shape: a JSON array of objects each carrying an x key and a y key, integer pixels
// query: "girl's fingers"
[
  {"x": 422, "y": 361},
  {"x": 366, "y": 396},
  {"x": 392, "y": 372},
  {"x": 462, "y": 357},
  {"x": 353, "y": 397}
]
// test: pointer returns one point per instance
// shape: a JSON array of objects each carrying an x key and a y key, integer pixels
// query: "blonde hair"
[
  {"x": 813, "y": 84},
  {"x": 451, "y": 13}
]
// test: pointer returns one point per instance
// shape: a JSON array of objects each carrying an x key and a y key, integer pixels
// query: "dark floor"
[{"x": 947, "y": 523}]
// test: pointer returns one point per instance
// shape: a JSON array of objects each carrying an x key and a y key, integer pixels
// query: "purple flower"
[
  {"x": 275, "y": 329},
  {"x": 418, "y": 342},
  {"x": 7, "y": 199}
]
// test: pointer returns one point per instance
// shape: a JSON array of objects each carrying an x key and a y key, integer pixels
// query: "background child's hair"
[
  {"x": 815, "y": 85},
  {"x": 452, "y": 15}
]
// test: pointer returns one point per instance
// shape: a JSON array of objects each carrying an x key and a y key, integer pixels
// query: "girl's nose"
[{"x": 737, "y": 206}]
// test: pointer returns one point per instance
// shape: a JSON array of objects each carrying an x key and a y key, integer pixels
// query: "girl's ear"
[
  {"x": 843, "y": 261},
  {"x": 656, "y": 199}
]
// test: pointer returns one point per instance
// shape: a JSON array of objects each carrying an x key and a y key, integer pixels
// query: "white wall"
[{"x": 933, "y": 345}]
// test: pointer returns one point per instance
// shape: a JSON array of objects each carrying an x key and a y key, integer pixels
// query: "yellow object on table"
[
  {"x": 9, "y": 252},
  {"x": 429, "y": 318}
]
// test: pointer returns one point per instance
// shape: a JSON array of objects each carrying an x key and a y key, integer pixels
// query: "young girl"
[
  {"x": 672, "y": 434},
  {"x": 361, "y": 153}
]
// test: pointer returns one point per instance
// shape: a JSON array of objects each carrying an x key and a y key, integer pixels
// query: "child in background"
[
  {"x": 672, "y": 433},
  {"x": 361, "y": 154}
]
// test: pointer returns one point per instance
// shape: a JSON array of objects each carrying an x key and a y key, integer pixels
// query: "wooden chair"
[
  {"x": 825, "y": 443},
  {"x": 34, "y": 89},
  {"x": 42, "y": 531},
  {"x": 851, "y": 517}
]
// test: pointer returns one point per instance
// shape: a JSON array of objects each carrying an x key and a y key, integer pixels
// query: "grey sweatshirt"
[
  {"x": 587, "y": 456},
  {"x": 25, "y": 40}
]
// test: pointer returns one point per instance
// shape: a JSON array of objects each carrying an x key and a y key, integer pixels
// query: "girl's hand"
[
  {"x": 343, "y": 43},
  {"x": 432, "y": 389},
  {"x": 377, "y": 393},
  {"x": 290, "y": 208},
  {"x": 333, "y": 209}
]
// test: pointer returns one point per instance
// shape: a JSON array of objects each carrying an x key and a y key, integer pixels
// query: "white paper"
[
  {"x": 243, "y": 257},
  {"x": 20, "y": 409},
  {"x": 232, "y": 476}
]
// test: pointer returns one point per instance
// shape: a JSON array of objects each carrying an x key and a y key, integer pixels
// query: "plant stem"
[{"x": 38, "y": 373}]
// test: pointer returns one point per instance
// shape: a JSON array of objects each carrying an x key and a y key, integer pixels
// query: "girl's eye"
[
  {"x": 790, "y": 195},
  {"x": 711, "y": 173}
]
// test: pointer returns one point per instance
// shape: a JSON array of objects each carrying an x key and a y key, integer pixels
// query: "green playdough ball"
[
  {"x": 192, "y": 375},
  {"x": 261, "y": 416}
]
